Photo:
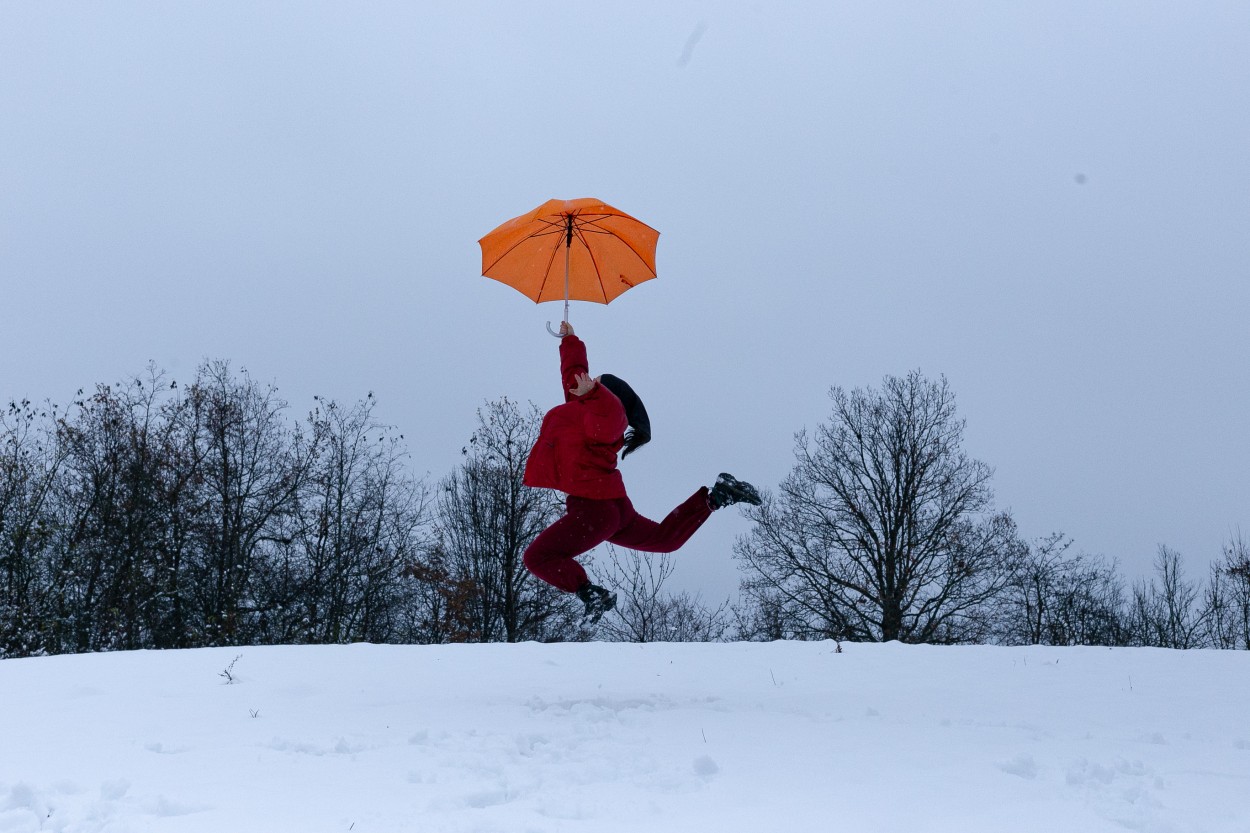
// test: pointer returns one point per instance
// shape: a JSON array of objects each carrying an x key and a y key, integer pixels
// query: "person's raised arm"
[{"x": 573, "y": 361}]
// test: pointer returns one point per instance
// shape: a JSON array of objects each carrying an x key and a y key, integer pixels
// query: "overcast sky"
[{"x": 1046, "y": 202}]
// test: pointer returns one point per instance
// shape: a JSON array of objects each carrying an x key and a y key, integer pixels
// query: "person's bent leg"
[
  {"x": 645, "y": 535},
  {"x": 552, "y": 556}
]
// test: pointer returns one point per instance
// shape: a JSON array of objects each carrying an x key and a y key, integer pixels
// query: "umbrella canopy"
[{"x": 582, "y": 249}]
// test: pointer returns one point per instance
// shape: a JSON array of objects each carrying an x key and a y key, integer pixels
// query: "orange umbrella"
[{"x": 604, "y": 252}]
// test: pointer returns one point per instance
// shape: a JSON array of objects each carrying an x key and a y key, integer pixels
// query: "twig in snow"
[{"x": 228, "y": 672}]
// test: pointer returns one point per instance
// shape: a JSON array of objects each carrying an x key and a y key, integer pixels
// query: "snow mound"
[{"x": 621, "y": 737}]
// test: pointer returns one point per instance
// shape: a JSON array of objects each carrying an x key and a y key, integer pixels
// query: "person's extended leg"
[
  {"x": 552, "y": 556},
  {"x": 644, "y": 534}
]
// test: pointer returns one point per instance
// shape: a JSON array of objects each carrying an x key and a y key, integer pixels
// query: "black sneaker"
[
  {"x": 598, "y": 601},
  {"x": 728, "y": 490}
]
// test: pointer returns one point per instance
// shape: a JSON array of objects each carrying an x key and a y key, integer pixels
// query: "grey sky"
[{"x": 1046, "y": 202}]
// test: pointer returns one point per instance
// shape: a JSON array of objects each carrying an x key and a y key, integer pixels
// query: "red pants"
[{"x": 588, "y": 523}]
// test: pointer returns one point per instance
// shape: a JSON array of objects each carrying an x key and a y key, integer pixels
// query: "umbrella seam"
[
  {"x": 547, "y": 271},
  {"x": 578, "y": 232},
  {"x": 515, "y": 245},
  {"x": 627, "y": 244}
]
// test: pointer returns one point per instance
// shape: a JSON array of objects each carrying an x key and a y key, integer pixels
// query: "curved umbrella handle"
[{"x": 553, "y": 332}]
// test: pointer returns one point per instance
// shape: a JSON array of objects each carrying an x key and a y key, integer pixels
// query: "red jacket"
[{"x": 577, "y": 444}]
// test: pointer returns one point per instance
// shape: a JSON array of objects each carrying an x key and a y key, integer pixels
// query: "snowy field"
[{"x": 620, "y": 737}]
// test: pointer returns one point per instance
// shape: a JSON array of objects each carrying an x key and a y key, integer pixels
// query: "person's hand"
[
  {"x": 584, "y": 385},
  {"x": 566, "y": 329}
]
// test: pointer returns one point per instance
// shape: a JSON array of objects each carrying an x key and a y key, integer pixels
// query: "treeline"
[
  {"x": 885, "y": 529},
  {"x": 153, "y": 514},
  {"x": 157, "y": 515}
]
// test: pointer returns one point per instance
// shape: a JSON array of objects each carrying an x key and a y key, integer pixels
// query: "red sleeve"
[
  {"x": 603, "y": 417},
  {"x": 572, "y": 362}
]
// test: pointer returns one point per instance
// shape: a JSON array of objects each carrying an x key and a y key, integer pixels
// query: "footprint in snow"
[
  {"x": 114, "y": 789},
  {"x": 1022, "y": 766},
  {"x": 704, "y": 766},
  {"x": 163, "y": 807},
  {"x": 488, "y": 798}
]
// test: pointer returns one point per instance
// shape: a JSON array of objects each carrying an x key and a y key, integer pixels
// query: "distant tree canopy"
[
  {"x": 882, "y": 529},
  {"x": 150, "y": 515}
]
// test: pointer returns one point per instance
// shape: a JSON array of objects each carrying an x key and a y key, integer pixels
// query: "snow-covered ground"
[{"x": 620, "y": 737}]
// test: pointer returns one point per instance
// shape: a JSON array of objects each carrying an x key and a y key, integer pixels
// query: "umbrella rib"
[
  {"x": 628, "y": 245},
  {"x": 591, "y": 224},
  {"x": 554, "y": 229},
  {"x": 546, "y": 272},
  {"x": 579, "y": 233}
]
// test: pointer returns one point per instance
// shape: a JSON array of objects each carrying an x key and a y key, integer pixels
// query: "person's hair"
[{"x": 639, "y": 433}]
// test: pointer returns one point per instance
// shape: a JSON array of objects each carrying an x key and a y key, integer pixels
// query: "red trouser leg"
[
  {"x": 644, "y": 534},
  {"x": 553, "y": 554}
]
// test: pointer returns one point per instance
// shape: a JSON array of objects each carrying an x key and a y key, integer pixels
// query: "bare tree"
[
  {"x": 485, "y": 518},
  {"x": 107, "y": 573},
  {"x": 1033, "y": 590},
  {"x": 30, "y": 462},
  {"x": 336, "y": 574},
  {"x": 882, "y": 530},
  {"x": 254, "y": 463},
  {"x": 165, "y": 502},
  {"x": 1165, "y": 613},
  {"x": 1227, "y": 598},
  {"x": 1058, "y": 598},
  {"x": 645, "y": 613},
  {"x": 762, "y": 616}
]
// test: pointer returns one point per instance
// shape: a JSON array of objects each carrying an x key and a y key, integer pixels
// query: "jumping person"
[{"x": 576, "y": 454}]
